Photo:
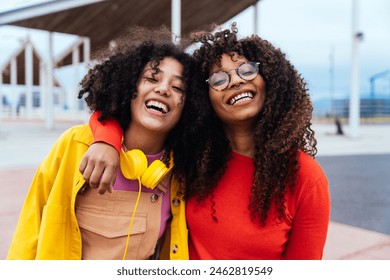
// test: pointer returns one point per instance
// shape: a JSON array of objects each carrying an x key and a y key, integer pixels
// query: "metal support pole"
[
  {"x": 50, "y": 86},
  {"x": 256, "y": 21},
  {"x": 29, "y": 77},
  {"x": 86, "y": 59},
  {"x": 354, "y": 101},
  {"x": 72, "y": 100},
  {"x": 86, "y": 51},
  {"x": 176, "y": 20},
  {"x": 42, "y": 89},
  {"x": 14, "y": 91}
]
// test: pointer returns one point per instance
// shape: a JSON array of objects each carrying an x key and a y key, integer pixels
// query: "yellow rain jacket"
[{"x": 47, "y": 226}]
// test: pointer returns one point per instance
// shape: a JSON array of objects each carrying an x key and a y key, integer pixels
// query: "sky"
[
  {"x": 317, "y": 38},
  {"x": 315, "y": 35}
]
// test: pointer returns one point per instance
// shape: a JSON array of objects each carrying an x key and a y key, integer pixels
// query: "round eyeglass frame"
[{"x": 255, "y": 66}]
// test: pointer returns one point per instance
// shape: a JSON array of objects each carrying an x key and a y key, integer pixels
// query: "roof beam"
[{"x": 42, "y": 9}]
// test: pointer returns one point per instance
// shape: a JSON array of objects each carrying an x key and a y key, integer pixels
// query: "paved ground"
[
  {"x": 358, "y": 172},
  {"x": 359, "y": 177},
  {"x": 360, "y": 190}
]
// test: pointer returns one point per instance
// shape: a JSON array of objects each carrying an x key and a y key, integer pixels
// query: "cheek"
[
  {"x": 214, "y": 99},
  {"x": 180, "y": 100},
  {"x": 260, "y": 83},
  {"x": 135, "y": 104}
]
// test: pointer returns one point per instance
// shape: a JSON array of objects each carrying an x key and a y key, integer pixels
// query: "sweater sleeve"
[
  {"x": 310, "y": 226},
  {"x": 109, "y": 131}
]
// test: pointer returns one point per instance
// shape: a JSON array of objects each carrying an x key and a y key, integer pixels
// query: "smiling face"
[
  {"x": 242, "y": 100},
  {"x": 160, "y": 97}
]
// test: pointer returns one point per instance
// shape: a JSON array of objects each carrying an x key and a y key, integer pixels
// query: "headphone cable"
[{"x": 132, "y": 219}]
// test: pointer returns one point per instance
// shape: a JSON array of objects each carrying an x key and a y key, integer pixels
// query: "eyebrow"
[
  {"x": 159, "y": 70},
  {"x": 225, "y": 70}
]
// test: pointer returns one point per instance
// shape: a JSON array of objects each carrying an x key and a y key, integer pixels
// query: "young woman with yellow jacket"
[{"x": 147, "y": 87}]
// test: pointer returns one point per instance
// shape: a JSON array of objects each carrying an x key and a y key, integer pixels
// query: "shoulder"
[
  {"x": 307, "y": 164},
  {"x": 76, "y": 136},
  {"x": 80, "y": 133},
  {"x": 310, "y": 172}
]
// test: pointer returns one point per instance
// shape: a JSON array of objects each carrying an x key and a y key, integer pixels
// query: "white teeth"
[
  {"x": 156, "y": 105},
  {"x": 241, "y": 98}
]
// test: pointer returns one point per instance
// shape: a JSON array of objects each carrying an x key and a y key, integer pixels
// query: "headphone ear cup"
[
  {"x": 154, "y": 174},
  {"x": 133, "y": 164}
]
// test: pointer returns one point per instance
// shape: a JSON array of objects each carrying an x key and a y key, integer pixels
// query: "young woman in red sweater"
[{"x": 252, "y": 187}]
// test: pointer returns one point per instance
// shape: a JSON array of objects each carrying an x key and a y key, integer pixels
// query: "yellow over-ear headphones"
[{"x": 134, "y": 165}]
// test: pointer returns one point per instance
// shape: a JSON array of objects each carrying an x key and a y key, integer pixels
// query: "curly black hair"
[
  {"x": 110, "y": 85},
  {"x": 282, "y": 129}
]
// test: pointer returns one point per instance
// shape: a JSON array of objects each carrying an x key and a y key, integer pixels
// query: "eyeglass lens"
[{"x": 247, "y": 71}]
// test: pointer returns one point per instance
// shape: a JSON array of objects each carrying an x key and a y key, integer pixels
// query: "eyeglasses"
[{"x": 220, "y": 80}]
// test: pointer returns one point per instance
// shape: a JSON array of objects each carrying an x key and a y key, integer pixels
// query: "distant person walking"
[{"x": 339, "y": 129}]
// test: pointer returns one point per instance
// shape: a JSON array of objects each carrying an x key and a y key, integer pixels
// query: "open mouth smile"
[
  {"x": 242, "y": 97},
  {"x": 157, "y": 106}
]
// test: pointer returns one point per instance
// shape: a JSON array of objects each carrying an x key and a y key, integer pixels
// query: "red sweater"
[{"x": 301, "y": 234}]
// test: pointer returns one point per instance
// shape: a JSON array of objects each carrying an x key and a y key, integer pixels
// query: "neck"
[
  {"x": 241, "y": 139},
  {"x": 149, "y": 142}
]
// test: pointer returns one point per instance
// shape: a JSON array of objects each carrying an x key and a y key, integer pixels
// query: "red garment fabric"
[
  {"x": 300, "y": 235},
  {"x": 108, "y": 131}
]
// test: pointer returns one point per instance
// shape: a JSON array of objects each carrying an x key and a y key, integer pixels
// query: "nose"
[
  {"x": 162, "y": 89},
  {"x": 235, "y": 80}
]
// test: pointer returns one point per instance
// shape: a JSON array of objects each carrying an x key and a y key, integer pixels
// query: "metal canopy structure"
[
  {"x": 103, "y": 21},
  {"x": 98, "y": 22}
]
